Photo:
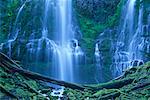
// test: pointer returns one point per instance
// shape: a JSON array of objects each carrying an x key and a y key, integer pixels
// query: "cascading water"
[
  {"x": 52, "y": 44},
  {"x": 128, "y": 54},
  {"x": 128, "y": 22},
  {"x": 63, "y": 55},
  {"x": 144, "y": 45},
  {"x": 14, "y": 34},
  {"x": 77, "y": 51},
  {"x": 60, "y": 50},
  {"x": 55, "y": 45},
  {"x": 133, "y": 47},
  {"x": 97, "y": 53},
  {"x": 98, "y": 63}
]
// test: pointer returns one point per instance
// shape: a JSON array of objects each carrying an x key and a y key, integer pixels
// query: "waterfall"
[
  {"x": 128, "y": 54},
  {"x": 136, "y": 38},
  {"x": 14, "y": 34},
  {"x": 60, "y": 51},
  {"x": 97, "y": 56},
  {"x": 63, "y": 55},
  {"x": 126, "y": 35},
  {"x": 63, "y": 27},
  {"x": 128, "y": 21},
  {"x": 99, "y": 65},
  {"x": 77, "y": 51}
]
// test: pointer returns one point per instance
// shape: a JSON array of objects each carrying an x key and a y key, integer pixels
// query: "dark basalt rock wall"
[{"x": 98, "y": 10}]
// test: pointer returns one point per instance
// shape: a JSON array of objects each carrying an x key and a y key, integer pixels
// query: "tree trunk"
[{"x": 11, "y": 65}]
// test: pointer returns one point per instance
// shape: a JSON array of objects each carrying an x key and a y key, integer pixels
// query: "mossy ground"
[
  {"x": 141, "y": 75},
  {"x": 22, "y": 87},
  {"x": 28, "y": 89}
]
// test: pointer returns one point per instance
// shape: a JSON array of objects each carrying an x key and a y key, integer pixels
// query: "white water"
[
  {"x": 97, "y": 56},
  {"x": 15, "y": 31},
  {"x": 63, "y": 55},
  {"x": 136, "y": 38},
  {"x": 128, "y": 20},
  {"x": 60, "y": 50},
  {"x": 58, "y": 93},
  {"x": 78, "y": 53},
  {"x": 99, "y": 64},
  {"x": 13, "y": 36},
  {"x": 128, "y": 54},
  {"x": 64, "y": 51},
  {"x": 145, "y": 43}
]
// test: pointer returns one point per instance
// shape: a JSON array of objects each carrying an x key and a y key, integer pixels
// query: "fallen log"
[
  {"x": 115, "y": 84},
  {"x": 10, "y": 64},
  {"x": 4, "y": 57}
]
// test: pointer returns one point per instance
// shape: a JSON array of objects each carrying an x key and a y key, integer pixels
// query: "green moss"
[
  {"x": 114, "y": 20},
  {"x": 124, "y": 92},
  {"x": 104, "y": 92},
  {"x": 91, "y": 28},
  {"x": 18, "y": 85},
  {"x": 7, "y": 16},
  {"x": 146, "y": 4},
  {"x": 88, "y": 43}
]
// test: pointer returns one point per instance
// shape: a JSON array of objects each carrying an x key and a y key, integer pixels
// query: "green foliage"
[
  {"x": 114, "y": 20},
  {"x": 146, "y": 4},
  {"x": 29, "y": 19},
  {"x": 91, "y": 28},
  {"x": 104, "y": 92},
  {"x": 7, "y": 17},
  {"x": 21, "y": 86},
  {"x": 88, "y": 45}
]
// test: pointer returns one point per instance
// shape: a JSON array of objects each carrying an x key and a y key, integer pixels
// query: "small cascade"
[
  {"x": 40, "y": 47},
  {"x": 9, "y": 47},
  {"x": 121, "y": 60},
  {"x": 98, "y": 59},
  {"x": 144, "y": 45},
  {"x": 15, "y": 31},
  {"x": 14, "y": 34},
  {"x": 97, "y": 55},
  {"x": 1, "y": 46},
  {"x": 103, "y": 54},
  {"x": 58, "y": 93},
  {"x": 78, "y": 53}
]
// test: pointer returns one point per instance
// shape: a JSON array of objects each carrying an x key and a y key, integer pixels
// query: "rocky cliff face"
[
  {"x": 97, "y": 10},
  {"x": 97, "y": 24},
  {"x": 93, "y": 17},
  {"x": 118, "y": 56}
]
